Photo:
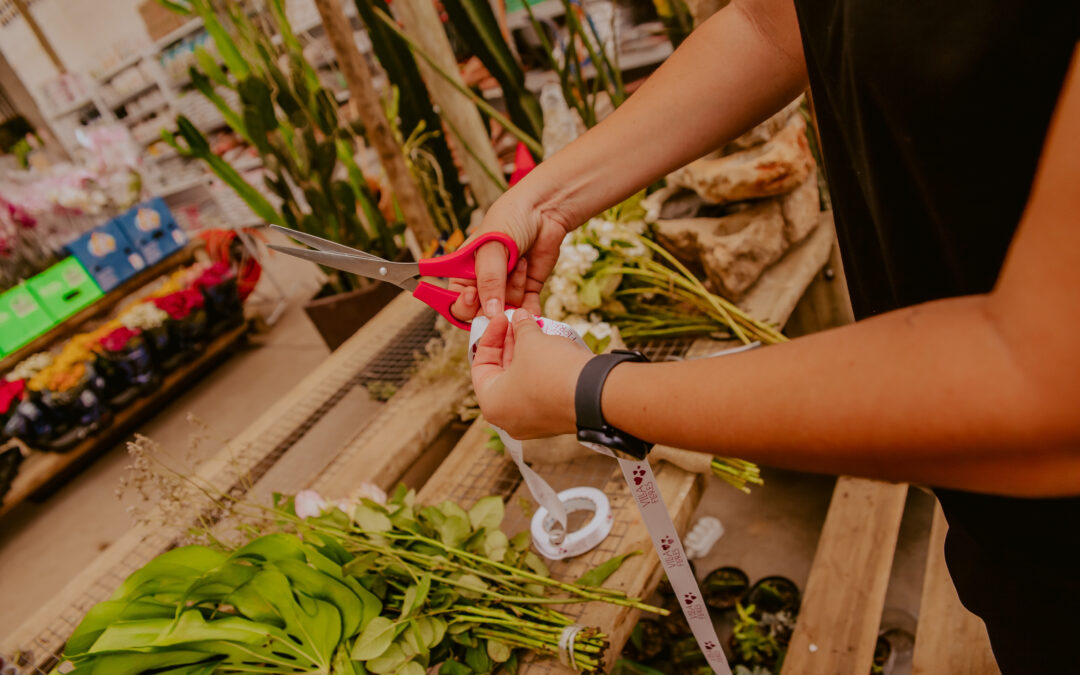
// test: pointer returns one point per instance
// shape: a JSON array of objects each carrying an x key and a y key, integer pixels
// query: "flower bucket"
[
  {"x": 75, "y": 413},
  {"x": 126, "y": 366}
]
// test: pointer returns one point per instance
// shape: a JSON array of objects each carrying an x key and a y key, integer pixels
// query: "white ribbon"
[{"x": 643, "y": 486}]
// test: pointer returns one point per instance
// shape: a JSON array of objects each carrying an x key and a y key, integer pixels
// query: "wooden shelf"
[
  {"x": 70, "y": 325},
  {"x": 42, "y": 470}
]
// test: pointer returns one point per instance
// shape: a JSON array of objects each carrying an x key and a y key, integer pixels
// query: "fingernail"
[
  {"x": 522, "y": 315},
  {"x": 492, "y": 308}
]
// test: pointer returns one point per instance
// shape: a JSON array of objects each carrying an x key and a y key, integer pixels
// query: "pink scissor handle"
[
  {"x": 461, "y": 264},
  {"x": 440, "y": 299}
]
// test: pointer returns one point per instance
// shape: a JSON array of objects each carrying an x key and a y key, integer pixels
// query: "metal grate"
[
  {"x": 395, "y": 364},
  {"x": 668, "y": 349}
]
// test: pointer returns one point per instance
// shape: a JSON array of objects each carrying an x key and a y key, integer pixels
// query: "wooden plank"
[
  {"x": 41, "y": 470},
  {"x": 948, "y": 638},
  {"x": 845, "y": 594},
  {"x": 401, "y": 432},
  {"x": 471, "y": 451},
  {"x": 46, "y": 630},
  {"x": 101, "y": 307}
]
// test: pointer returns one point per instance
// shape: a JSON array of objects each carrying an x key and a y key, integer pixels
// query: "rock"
[
  {"x": 802, "y": 209},
  {"x": 766, "y": 130},
  {"x": 733, "y": 262},
  {"x": 766, "y": 170}
]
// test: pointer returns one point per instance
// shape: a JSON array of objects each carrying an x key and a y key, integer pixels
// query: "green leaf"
[
  {"x": 126, "y": 663},
  {"x": 169, "y": 573},
  {"x": 389, "y": 661},
  {"x": 471, "y": 581},
  {"x": 209, "y": 65},
  {"x": 454, "y": 668},
  {"x": 371, "y": 520},
  {"x": 361, "y": 564},
  {"x": 375, "y": 639},
  {"x": 521, "y": 541},
  {"x": 454, "y": 530},
  {"x": 105, "y": 614},
  {"x": 488, "y": 512},
  {"x": 324, "y": 587},
  {"x": 597, "y": 575},
  {"x": 412, "y": 668},
  {"x": 495, "y": 545},
  {"x": 477, "y": 658},
  {"x": 498, "y": 651},
  {"x": 536, "y": 564},
  {"x": 450, "y": 509},
  {"x": 416, "y": 596}
]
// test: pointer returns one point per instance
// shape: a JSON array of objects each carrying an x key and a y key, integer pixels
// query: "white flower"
[
  {"x": 143, "y": 316},
  {"x": 368, "y": 491},
  {"x": 30, "y": 366},
  {"x": 600, "y": 330},
  {"x": 308, "y": 504}
]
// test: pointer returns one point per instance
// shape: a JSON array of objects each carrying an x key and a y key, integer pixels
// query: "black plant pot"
[
  {"x": 189, "y": 334},
  {"x": 127, "y": 373},
  {"x": 725, "y": 586},
  {"x": 76, "y": 413},
  {"x": 774, "y": 594},
  {"x": 647, "y": 640},
  {"x": 223, "y": 307},
  {"x": 31, "y": 422}
]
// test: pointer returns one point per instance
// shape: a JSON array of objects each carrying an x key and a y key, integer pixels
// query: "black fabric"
[{"x": 932, "y": 116}]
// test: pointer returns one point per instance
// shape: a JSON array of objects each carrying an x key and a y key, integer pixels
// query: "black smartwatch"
[{"x": 590, "y": 418}]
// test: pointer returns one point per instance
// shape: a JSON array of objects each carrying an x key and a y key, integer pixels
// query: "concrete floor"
[{"x": 774, "y": 530}]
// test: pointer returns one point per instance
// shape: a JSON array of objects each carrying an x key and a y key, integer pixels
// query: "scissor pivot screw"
[{"x": 383, "y": 271}]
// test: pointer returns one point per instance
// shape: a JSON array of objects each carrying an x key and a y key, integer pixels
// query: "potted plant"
[
  {"x": 11, "y": 394},
  {"x": 775, "y": 594},
  {"x": 187, "y": 322},
  {"x": 125, "y": 364},
  {"x": 308, "y": 155},
  {"x": 70, "y": 391},
  {"x": 752, "y": 642},
  {"x": 151, "y": 321},
  {"x": 223, "y": 306}
]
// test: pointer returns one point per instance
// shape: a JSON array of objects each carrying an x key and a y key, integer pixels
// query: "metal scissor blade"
[
  {"x": 401, "y": 274},
  {"x": 321, "y": 244}
]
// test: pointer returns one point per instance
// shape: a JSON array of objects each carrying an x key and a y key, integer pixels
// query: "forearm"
[
  {"x": 730, "y": 74},
  {"x": 931, "y": 394}
]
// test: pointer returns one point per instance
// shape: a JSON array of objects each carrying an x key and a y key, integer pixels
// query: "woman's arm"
[
  {"x": 980, "y": 393},
  {"x": 736, "y": 70}
]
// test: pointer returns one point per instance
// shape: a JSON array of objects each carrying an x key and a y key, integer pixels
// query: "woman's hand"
[
  {"x": 525, "y": 380},
  {"x": 537, "y": 233}
]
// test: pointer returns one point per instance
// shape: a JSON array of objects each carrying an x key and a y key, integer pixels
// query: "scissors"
[{"x": 459, "y": 264}]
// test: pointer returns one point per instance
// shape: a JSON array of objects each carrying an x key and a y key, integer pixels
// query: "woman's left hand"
[{"x": 525, "y": 380}]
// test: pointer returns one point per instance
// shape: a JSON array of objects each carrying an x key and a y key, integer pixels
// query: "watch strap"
[{"x": 592, "y": 428}]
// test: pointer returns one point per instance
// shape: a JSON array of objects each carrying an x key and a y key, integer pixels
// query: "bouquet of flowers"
[
  {"x": 187, "y": 317},
  {"x": 125, "y": 362}
]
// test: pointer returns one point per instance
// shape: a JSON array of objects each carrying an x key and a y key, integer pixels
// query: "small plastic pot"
[
  {"x": 725, "y": 586},
  {"x": 223, "y": 305},
  {"x": 647, "y": 640},
  {"x": 126, "y": 373},
  {"x": 773, "y": 595},
  {"x": 189, "y": 334}
]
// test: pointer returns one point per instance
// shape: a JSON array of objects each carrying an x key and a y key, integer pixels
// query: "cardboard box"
[
  {"x": 107, "y": 255},
  {"x": 65, "y": 288},
  {"x": 22, "y": 318},
  {"x": 150, "y": 226},
  {"x": 159, "y": 20}
]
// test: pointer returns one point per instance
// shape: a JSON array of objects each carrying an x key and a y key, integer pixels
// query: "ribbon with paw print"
[{"x": 646, "y": 491}]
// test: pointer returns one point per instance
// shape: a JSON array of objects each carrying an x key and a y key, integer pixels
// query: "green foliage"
[
  {"x": 387, "y": 589},
  {"x": 286, "y": 114},
  {"x": 476, "y": 23},
  {"x": 414, "y": 109},
  {"x": 755, "y": 644}
]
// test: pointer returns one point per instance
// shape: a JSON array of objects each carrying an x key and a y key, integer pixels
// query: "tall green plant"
[
  {"x": 292, "y": 121},
  {"x": 414, "y": 109},
  {"x": 476, "y": 23}
]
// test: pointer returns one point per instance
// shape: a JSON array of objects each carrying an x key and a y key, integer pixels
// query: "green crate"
[
  {"x": 22, "y": 318},
  {"x": 65, "y": 288}
]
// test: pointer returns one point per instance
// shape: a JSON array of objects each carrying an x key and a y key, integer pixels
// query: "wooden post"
[
  {"x": 422, "y": 24},
  {"x": 44, "y": 41},
  {"x": 379, "y": 134}
]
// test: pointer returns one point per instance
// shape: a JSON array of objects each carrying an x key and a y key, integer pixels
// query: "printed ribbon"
[{"x": 643, "y": 486}]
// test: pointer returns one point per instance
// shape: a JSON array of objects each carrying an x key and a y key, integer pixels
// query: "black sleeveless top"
[{"x": 932, "y": 116}]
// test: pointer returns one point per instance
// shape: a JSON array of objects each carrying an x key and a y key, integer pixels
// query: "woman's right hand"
[{"x": 538, "y": 233}]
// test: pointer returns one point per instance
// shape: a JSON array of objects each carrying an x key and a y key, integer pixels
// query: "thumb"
[
  {"x": 491, "y": 278},
  {"x": 525, "y": 327}
]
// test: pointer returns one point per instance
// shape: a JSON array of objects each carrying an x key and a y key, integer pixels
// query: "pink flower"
[
  {"x": 11, "y": 392},
  {"x": 118, "y": 339},
  {"x": 180, "y": 304},
  {"x": 308, "y": 504}
]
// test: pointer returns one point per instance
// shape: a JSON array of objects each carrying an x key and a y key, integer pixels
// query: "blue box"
[
  {"x": 107, "y": 255},
  {"x": 150, "y": 226}
]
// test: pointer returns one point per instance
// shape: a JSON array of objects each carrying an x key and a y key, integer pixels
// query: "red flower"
[
  {"x": 118, "y": 339},
  {"x": 11, "y": 392},
  {"x": 180, "y": 304},
  {"x": 214, "y": 275}
]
